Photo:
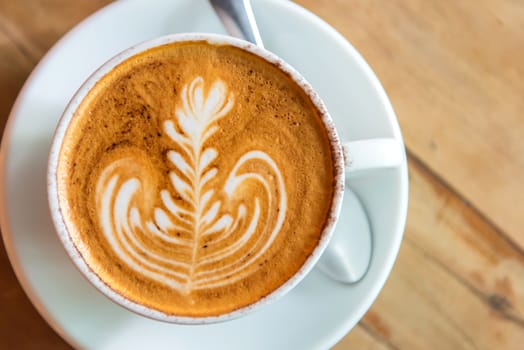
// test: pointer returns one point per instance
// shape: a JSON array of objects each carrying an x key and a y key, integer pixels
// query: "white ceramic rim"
[{"x": 68, "y": 114}]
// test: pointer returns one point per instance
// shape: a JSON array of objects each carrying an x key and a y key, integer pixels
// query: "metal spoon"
[
  {"x": 348, "y": 255},
  {"x": 238, "y": 19}
]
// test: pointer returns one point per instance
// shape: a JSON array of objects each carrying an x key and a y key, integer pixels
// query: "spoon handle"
[{"x": 238, "y": 19}]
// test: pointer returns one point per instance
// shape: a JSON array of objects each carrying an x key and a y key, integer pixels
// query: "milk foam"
[{"x": 251, "y": 228}]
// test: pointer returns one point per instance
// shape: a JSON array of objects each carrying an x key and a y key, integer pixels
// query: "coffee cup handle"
[
  {"x": 348, "y": 255},
  {"x": 364, "y": 155}
]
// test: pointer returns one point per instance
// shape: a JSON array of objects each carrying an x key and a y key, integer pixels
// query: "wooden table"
[{"x": 454, "y": 71}]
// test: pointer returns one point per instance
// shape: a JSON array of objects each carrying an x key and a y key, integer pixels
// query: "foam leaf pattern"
[{"x": 140, "y": 241}]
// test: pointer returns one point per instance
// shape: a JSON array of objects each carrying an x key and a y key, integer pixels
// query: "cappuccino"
[{"x": 195, "y": 178}]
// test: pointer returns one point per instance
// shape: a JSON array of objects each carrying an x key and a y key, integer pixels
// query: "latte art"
[
  {"x": 195, "y": 179},
  {"x": 202, "y": 218}
]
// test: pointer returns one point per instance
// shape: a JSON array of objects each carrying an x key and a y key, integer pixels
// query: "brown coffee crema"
[{"x": 195, "y": 179}]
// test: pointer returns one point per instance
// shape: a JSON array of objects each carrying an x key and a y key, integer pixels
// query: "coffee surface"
[{"x": 195, "y": 179}]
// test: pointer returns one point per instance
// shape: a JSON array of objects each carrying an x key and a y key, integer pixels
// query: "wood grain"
[{"x": 455, "y": 74}]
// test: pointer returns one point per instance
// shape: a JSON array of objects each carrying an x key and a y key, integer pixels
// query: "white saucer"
[{"x": 316, "y": 314}]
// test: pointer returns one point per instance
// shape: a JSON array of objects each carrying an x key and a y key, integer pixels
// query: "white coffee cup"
[{"x": 351, "y": 158}]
